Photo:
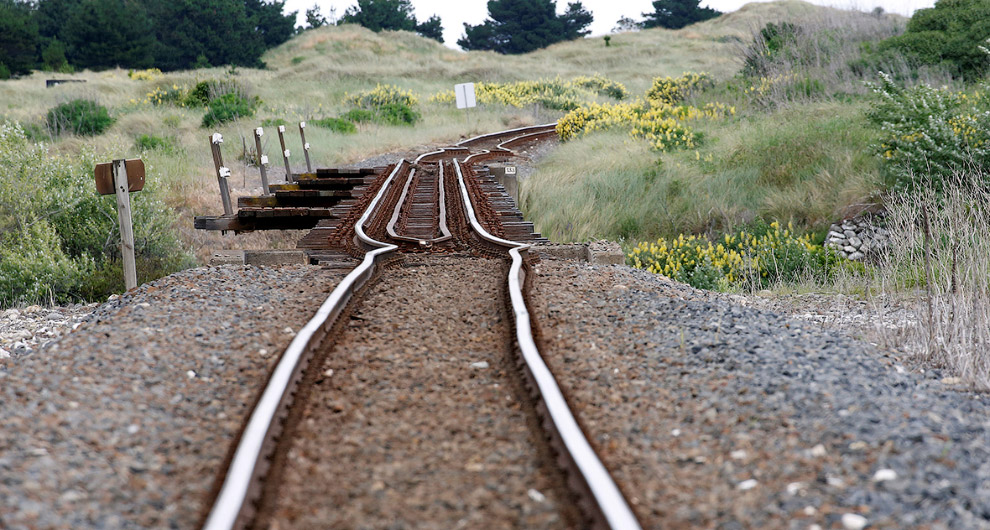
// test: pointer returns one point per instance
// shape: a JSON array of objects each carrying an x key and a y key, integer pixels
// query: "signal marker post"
[
  {"x": 302, "y": 134},
  {"x": 262, "y": 160},
  {"x": 121, "y": 177},
  {"x": 285, "y": 154}
]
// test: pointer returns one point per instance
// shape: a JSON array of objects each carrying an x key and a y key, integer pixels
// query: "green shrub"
[
  {"x": 948, "y": 34},
  {"x": 198, "y": 95},
  {"x": 929, "y": 134},
  {"x": 79, "y": 116},
  {"x": 297, "y": 60},
  {"x": 336, "y": 125},
  {"x": 388, "y": 104},
  {"x": 228, "y": 107},
  {"x": 151, "y": 142},
  {"x": 397, "y": 114},
  {"x": 57, "y": 234},
  {"x": 273, "y": 122},
  {"x": 359, "y": 116},
  {"x": 4, "y": 72}
]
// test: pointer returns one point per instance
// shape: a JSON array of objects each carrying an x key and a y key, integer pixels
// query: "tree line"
[
  {"x": 172, "y": 35},
  {"x": 60, "y": 35}
]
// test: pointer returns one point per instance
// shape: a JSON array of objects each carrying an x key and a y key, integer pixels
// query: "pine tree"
[
  {"x": 431, "y": 29},
  {"x": 215, "y": 32},
  {"x": 314, "y": 18},
  {"x": 520, "y": 26},
  {"x": 675, "y": 14},
  {"x": 378, "y": 15},
  {"x": 18, "y": 38},
  {"x": 269, "y": 20},
  {"x": 109, "y": 33}
]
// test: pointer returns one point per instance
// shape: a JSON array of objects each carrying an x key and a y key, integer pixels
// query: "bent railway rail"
[{"x": 406, "y": 209}]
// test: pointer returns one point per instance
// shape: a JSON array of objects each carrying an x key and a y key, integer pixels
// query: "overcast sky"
[{"x": 606, "y": 12}]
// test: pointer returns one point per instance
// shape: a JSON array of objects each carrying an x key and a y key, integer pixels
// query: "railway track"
[{"x": 437, "y": 204}]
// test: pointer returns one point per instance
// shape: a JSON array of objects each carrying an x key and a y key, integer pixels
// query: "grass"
[{"x": 806, "y": 164}]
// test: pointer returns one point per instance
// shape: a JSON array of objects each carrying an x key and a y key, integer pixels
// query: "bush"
[
  {"x": 198, "y": 95},
  {"x": 167, "y": 95},
  {"x": 929, "y": 134},
  {"x": 335, "y": 125},
  {"x": 948, "y": 34},
  {"x": 80, "y": 116},
  {"x": 602, "y": 85},
  {"x": 359, "y": 116},
  {"x": 757, "y": 259},
  {"x": 57, "y": 234},
  {"x": 228, "y": 107},
  {"x": 671, "y": 90},
  {"x": 273, "y": 122},
  {"x": 151, "y": 142},
  {"x": 389, "y": 104}
]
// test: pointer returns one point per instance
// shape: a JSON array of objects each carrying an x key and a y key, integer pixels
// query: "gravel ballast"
[
  {"x": 125, "y": 422},
  {"x": 709, "y": 414},
  {"x": 714, "y": 415}
]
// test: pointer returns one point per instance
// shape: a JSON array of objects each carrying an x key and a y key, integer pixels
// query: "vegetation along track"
[{"x": 412, "y": 410}]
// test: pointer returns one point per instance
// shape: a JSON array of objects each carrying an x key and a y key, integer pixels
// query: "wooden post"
[
  {"x": 302, "y": 134},
  {"x": 121, "y": 188},
  {"x": 262, "y": 160},
  {"x": 222, "y": 173},
  {"x": 285, "y": 153}
]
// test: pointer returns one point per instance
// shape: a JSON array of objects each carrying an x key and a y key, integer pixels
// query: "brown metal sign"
[{"x": 135, "y": 176}]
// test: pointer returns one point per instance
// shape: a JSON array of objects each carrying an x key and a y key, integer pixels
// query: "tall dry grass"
[{"x": 939, "y": 250}]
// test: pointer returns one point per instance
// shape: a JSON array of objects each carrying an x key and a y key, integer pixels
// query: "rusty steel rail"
[
  {"x": 234, "y": 505},
  {"x": 441, "y": 223},
  {"x": 611, "y": 506}
]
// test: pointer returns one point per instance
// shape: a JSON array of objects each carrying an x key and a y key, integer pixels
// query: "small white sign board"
[{"x": 465, "y": 95}]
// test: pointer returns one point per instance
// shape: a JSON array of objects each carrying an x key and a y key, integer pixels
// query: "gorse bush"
[
  {"x": 59, "y": 239},
  {"x": 659, "y": 119},
  {"x": 756, "y": 259},
  {"x": 672, "y": 90},
  {"x": 929, "y": 134},
  {"x": 389, "y": 104},
  {"x": 80, "y": 116},
  {"x": 555, "y": 94}
]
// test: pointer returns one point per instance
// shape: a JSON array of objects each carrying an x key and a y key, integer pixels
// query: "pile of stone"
[{"x": 858, "y": 238}]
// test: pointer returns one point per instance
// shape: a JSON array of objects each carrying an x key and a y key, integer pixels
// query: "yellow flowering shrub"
[
  {"x": 383, "y": 95},
  {"x": 671, "y": 90},
  {"x": 386, "y": 104},
  {"x": 551, "y": 93},
  {"x": 757, "y": 258},
  {"x": 659, "y": 119},
  {"x": 149, "y": 74},
  {"x": 167, "y": 95}
]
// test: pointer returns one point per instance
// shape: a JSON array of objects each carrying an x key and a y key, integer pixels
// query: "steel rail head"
[
  {"x": 609, "y": 499},
  {"x": 482, "y": 137},
  {"x": 230, "y": 507}
]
